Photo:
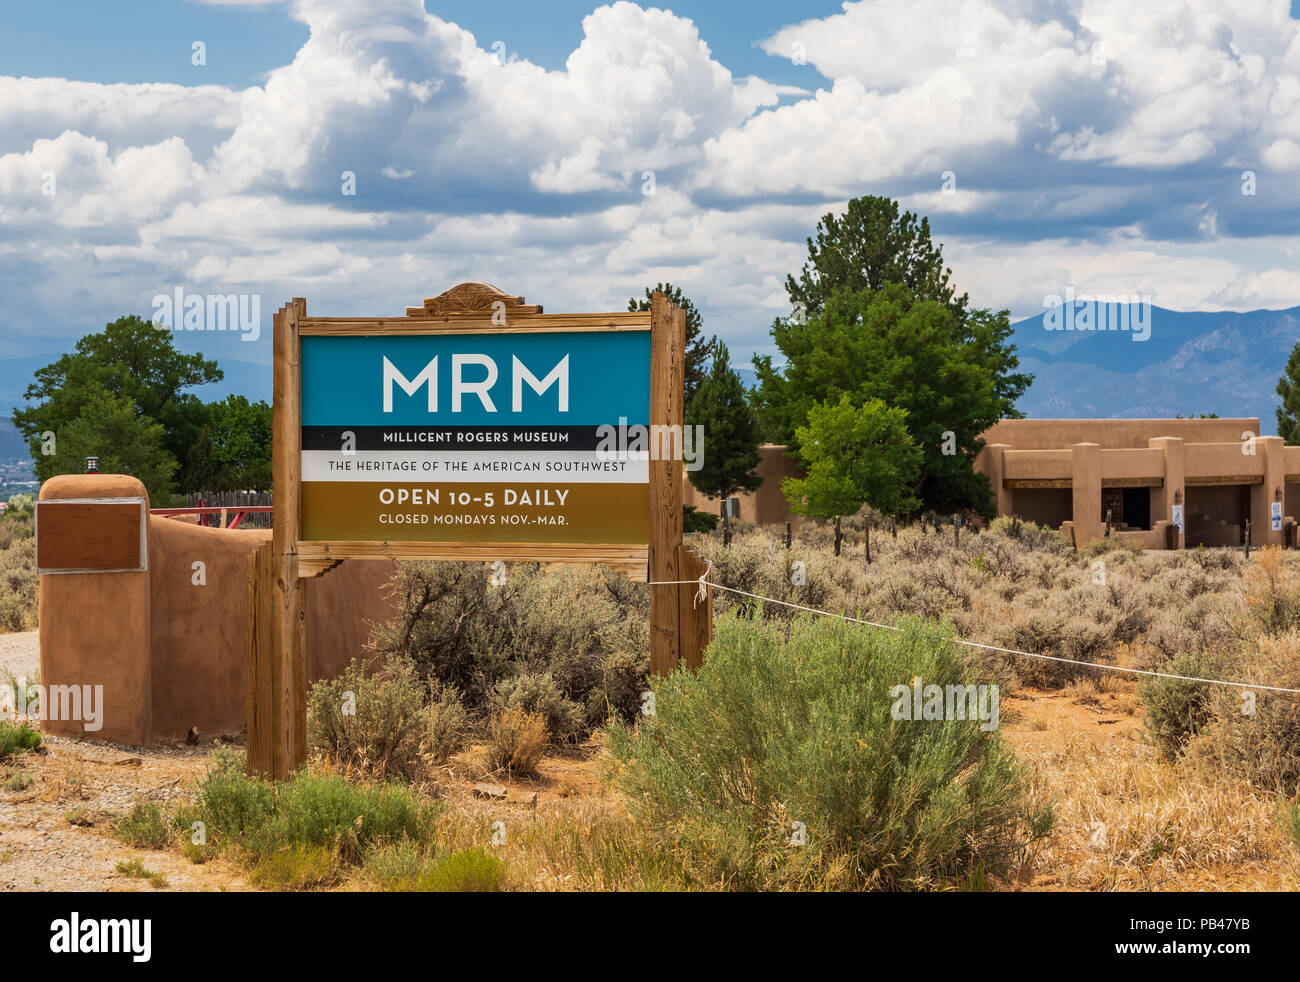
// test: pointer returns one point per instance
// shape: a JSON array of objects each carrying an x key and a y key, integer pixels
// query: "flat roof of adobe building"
[{"x": 1115, "y": 434}]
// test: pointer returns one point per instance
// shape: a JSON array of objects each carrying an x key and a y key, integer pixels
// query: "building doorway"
[
  {"x": 1137, "y": 508},
  {"x": 1216, "y": 515},
  {"x": 1129, "y": 508}
]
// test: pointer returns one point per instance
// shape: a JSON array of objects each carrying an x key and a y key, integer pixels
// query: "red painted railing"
[{"x": 239, "y": 511}]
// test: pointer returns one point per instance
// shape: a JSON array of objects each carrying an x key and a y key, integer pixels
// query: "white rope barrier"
[{"x": 703, "y": 584}]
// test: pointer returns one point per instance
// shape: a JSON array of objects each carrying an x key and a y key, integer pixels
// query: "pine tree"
[
  {"x": 698, "y": 347},
  {"x": 730, "y": 435},
  {"x": 1288, "y": 387}
]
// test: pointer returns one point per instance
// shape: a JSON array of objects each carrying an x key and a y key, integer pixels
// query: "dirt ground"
[{"x": 1126, "y": 820}]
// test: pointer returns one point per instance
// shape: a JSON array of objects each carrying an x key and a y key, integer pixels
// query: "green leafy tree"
[
  {"x": 698, "y": 347},
  {"x": 854, "y": 456},
  {"x": 730, "y": 435},
  {"x": 131, "y": 358},
  {"x": 1288, "y": 387},
  {"x": 240, "y": 436},
  {"x": 870, "y": 245},
  {"x": 953, "y": 375},
  {"x": 125, "y": 442}
]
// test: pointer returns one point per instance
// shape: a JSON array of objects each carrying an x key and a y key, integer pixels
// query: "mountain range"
[{"x": 1192, "y": 362}]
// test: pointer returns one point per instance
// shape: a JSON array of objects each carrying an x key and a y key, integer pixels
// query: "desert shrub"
[
  {"x": 1289, "y": 819},
  {"x": 394, "y": 866},
  {"x": 694, "y": 520},
  {"x": 623, "y": 675},
  {"x": 144, "y": 826},
  {"x": 20, "y": 506},
  {"x": 372, "y": 723},
  {"x": 1272, "y": 592},
  {"x": 536, "y": 692},
  {"x": 794, "y": 725},
  {"x": 18, "y": 781},
  {"x": 445, "y": 725},
  {"x": 257, "y": 817},
  {"x": 18, "y": 581},
  {"x": 17, "y": 738},
  {"x": 1115, "y": 549},
  {"x": 296, "y": 867},
  {"x": 1256, "y": 733},
  {"x": 565, "y": 622},
  {"x": 233, "y": 806},
  {"x": 330, "y": 811},
  {"x": 1175, "y": 708},
  {"x": 466, "y": 871},
  {"x": 1046, "y": 629},
  {"x": 759, "y": 565},
  {"x": 137, "y": 870},
  {"x": 1208, "y": 622},
  {"x": 1037, "y": 538},
  {"x": 516, "y": 741}
]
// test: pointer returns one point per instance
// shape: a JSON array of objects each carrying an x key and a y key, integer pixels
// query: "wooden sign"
[
  {"x": 91, "y": 535},
  {"x": 514, "y": 439},
  {"x": 477, "y": 427}
]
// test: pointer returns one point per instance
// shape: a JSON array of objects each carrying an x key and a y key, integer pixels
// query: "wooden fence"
[{"x": 233, "y": 500}]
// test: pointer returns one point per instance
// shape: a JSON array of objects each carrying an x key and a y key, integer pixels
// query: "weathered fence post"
[
  {"x": 956, "y": 529},
  {"x": 694, "y": 613},
  {"x": 788, "y": 535},
  {"x": 667, "y": 360},
  {"x": 866, "y": 535},
  {"x": 838, "y": 535}
]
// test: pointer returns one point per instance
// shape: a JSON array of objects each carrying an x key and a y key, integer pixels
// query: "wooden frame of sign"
[{"x": 680, "y": 620}]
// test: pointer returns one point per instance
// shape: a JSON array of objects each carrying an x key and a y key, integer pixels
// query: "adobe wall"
[
  {"x": 767, "y": 505},
  {"x": 1114, "y": 434},
  {"x": 168, "y": 644},
  {"x": 95, "y": 628},
  {"x": 200, "y": 673}
]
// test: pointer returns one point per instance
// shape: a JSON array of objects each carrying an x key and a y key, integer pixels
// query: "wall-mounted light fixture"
[
  {"x": 1277, "y": 493},
  {"x": 1178, "y": 497}
]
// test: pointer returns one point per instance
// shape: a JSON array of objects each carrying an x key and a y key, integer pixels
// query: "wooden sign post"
[{"x": 475, "y": 428}]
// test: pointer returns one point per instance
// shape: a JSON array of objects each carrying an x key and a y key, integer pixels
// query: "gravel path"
[
  {"x": 20, "y": 654},
  {"x": 57, "y": 832},
  {"x": 56, "y": 821}
]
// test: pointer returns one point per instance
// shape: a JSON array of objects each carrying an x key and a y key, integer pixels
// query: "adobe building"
[
  {"x": 1209, "y": 478},
  {"x": 1212, "y": 478},
  {"x": 767, "y": 505}
]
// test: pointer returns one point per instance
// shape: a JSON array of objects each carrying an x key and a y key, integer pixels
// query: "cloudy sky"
[{"x": 1102, "y": 144}]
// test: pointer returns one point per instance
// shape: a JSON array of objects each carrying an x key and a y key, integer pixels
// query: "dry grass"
[
  {"x": 1127, "y": 820},
  {"x": 517, "y": 741}
]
